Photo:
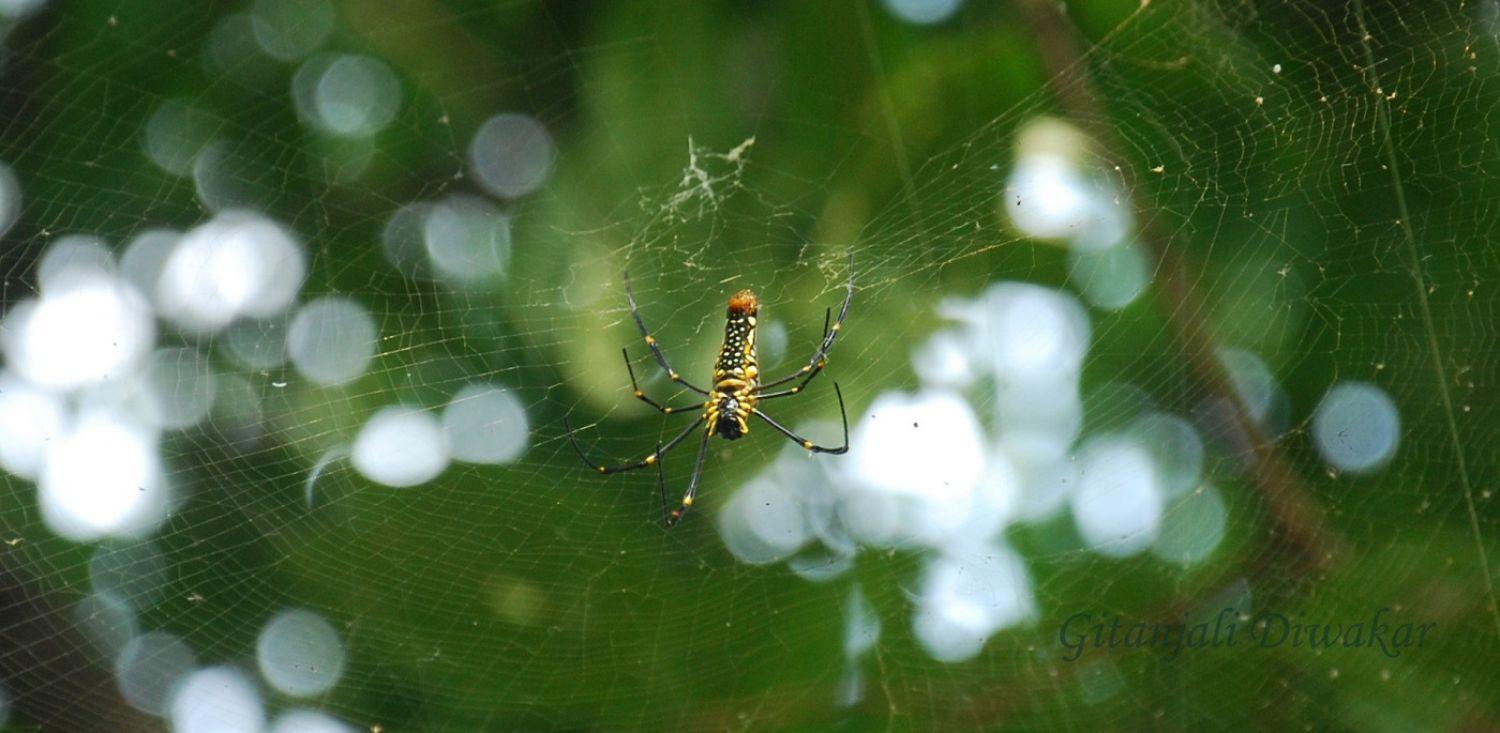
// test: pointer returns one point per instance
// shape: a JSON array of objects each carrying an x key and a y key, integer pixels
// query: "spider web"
[{"x": 1260, "y": 231}]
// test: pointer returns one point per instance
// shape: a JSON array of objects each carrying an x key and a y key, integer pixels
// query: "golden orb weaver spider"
[{"x": 737, "y": 390}]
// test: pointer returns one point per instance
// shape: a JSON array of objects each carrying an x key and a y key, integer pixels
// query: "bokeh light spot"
[
  {"x": 145, "y": 257},
  {"x": 74, "y": 256},
  {"x": 227, "y": 175},
  {"x": 175, "y": 133},
  {"x": 1117, "y": 506},
  {"x": 290, "y": 29},
  {"x": 1193, "y": 527},
  {"x": 257, "y": 344},
  {"x": 923, "y": 12},
  {"x": 107, "y": 620},
  {"x": 87, "y": 330},
  {"x": 762, "y": 523},
  {"x": 968, "y": 595},
  {"x": 1253, "y": 380},
  {"x": 1175, "y": 447},
  {"x": 17, "y": 9},
  {"x": 10, "y": 198},
  {"x": 1109, "y": 278},
  {"x": 31, "y": 419},
  {"x": 355, "y": 96},
  {"x": 217, "y": 700},
  {"x": 401, "y": 446},
  {"x": 511, "y": 155},
  {"x": 331, "y": 340},
  {"x": 1356, "y": 427},
  {"x": 486, "y": 424},
  {"x": 467, "y": 238},
  {"x": 149, "y": 667},
  {"x": 300, "y": 653},
  {"x": 103, "y": 478},
  {"x": 309, "y": 721},
  {"x": 237, "y": 264}
]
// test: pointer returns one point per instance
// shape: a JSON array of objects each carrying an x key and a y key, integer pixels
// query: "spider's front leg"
[
  {"x": 636, "y": 388},
  {"x": 820, "y": 357},
  {"x": 651, "y": 342}
]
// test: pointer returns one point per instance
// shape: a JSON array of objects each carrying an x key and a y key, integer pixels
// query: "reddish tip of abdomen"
[{"x": 744, "y": 302}]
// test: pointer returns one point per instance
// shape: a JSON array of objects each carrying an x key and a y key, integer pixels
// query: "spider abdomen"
[
  {"x": 736, "y": 373},
  {"x": 737, "y": 355}
]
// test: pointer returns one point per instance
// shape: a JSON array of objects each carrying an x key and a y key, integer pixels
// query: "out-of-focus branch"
[{"x": 1298, "y": 520}]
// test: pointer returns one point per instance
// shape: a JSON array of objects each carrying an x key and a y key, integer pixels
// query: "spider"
[{"x": 737, "y": 390}]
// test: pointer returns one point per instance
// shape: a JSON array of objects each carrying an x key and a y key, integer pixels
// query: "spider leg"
[
  {"x": 644, "y": 462},
  {"x": 808, "y": 444},
  {"x": 661, "y": 483},
  {"x": 651, "y": 342},
  {"x": 692, "y": 491},
  {"x": 663, "y": 409},
  {"x": 820, "y": 357},
  {"x": 811, "y": 371}
]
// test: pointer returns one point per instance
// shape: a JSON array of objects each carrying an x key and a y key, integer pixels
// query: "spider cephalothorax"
[{"x": 736, "y": 391}]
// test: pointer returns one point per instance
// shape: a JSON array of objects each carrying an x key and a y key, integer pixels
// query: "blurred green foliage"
[{"x": 537, "y": 596}]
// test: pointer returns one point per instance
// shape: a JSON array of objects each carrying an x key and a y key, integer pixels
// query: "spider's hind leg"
[
  {"x": 692, "y": 492},
  {"x": 808, "y": 444}
]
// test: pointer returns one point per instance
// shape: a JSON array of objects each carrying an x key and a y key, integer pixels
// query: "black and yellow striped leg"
[
  {"x": 687, "y": 499},
  {"x": 808, "y": 444},
  {"x": 651, "y": 342},
  {"x": 661, "y": 484},
  {"x": 812, "y": 370},
  {"x": 644, "y": 462},
  {"x": 820, "y": 357},
  {"x": 665, "y": 410}
]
